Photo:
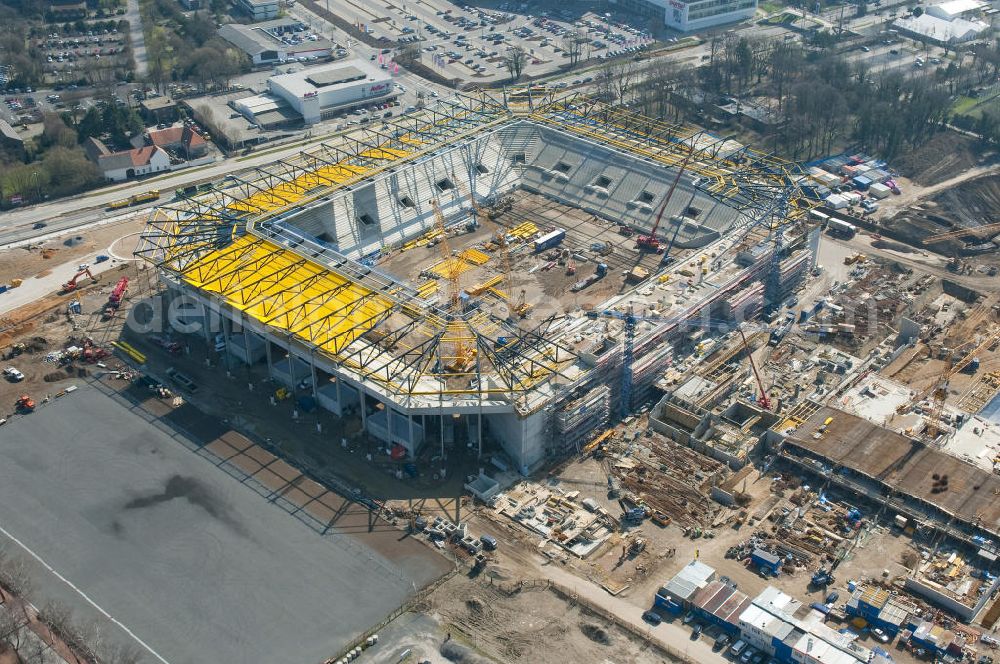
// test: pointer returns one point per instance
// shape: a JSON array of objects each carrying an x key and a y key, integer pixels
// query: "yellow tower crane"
[
  {"x": 451, "y": 268},
  {"x": 515, "y": 303},
  {"x": 451, "y": 265},
  {"x": 939, "y": 391}
]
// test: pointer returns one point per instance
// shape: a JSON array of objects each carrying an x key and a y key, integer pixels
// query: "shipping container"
[
  {"x": 843, "y": 228},
  {"x": 550, "y": 240},
  {"x": 879, "y": 190}
]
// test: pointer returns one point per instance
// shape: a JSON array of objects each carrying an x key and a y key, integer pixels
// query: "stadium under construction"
[{"x": 470, "y": 265}]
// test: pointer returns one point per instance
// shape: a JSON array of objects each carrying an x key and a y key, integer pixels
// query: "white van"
[{"x": 737, "y": 648}]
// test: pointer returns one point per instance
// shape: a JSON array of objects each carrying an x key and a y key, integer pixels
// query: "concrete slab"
[{"x": 198, "y": 566}]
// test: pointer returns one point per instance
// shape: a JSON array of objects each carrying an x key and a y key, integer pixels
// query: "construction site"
[
  {"x": 474, "y": 269},
  {"x": 604, "y": 365}
]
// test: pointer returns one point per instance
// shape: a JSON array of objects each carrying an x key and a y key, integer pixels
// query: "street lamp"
[{"x": 34, "y": 179}]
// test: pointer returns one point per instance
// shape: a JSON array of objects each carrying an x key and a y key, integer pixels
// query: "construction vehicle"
[
  {"x": 144, "y": 197},
  {"x": 570, "y": 268},
  {"x": 115, "y": 299},
  {"x": 822, "y": 578},
  {"x": 650, "y": 242},
  {"x": 25, "y": 404},
  {"x": 73, "y": 283},
  {"x": 282, "y": 393}
]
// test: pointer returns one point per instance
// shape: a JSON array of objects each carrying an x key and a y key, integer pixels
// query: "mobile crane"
[{"x": 650, "y": 242}]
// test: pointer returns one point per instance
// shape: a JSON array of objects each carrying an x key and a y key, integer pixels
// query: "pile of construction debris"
[{"x": 670, "y": 481}]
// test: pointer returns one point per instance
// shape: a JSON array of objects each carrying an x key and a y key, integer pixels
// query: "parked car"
[
  {"x": 832, "y": 597},
  {"x": 747, "y": 655},
  {"x": 652, "y": 617},
  {"x": 737, "y": 648},
  {"x": 880, "y": 635},
  {"x": 13, "y": 375},
  {"x": 696, "y": 632},
  {"x": 721, "y": 642}
]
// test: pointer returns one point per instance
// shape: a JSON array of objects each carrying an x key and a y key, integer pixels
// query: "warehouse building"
[
  {"x": 681, "y": 590},
  {"x": 278, "y": 41},
  {"x": 319, "y": 93},
  {"x": 693, "y": 15}
]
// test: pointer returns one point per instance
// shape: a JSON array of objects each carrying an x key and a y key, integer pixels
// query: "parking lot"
[{"x": 469, "y": 42}]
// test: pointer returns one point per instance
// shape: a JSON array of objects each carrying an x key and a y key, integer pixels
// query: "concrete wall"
[
  {"x": 523, "y": 439},
  {"x": 936, "y": 596}
]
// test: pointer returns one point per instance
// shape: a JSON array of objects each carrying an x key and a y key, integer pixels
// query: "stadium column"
[
  {"x": 388, "y": 422},
  {"x": 312, "y": 369},
  {"x": 413, "y": 442}
]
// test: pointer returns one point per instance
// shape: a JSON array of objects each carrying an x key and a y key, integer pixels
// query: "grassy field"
[{"x": 974, "y": 107}]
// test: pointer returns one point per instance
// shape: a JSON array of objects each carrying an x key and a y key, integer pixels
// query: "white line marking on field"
[{"x": 82, "y": 594}]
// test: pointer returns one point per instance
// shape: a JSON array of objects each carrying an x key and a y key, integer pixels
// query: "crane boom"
[
  {"x": 939, "y": 391},
  {"x": 764, "y": 400},
  {"x": 954, "y": 235},
  {"x": 649, "y": 242}
]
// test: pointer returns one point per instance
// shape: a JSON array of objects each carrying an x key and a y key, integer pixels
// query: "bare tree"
[
  {"x": 33, "y": 650},
  {"x": 12, "y": 623},
  {"x": 515, "y": 59},
  {"x": 14, "y": 575},
  {"x": 121, "y": 654},
  {"x": 615, "y": 81},
  {"x": 573, "y": 46}
]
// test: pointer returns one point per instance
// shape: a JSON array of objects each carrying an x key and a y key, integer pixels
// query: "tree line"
[{"x": 814, "y": 99}]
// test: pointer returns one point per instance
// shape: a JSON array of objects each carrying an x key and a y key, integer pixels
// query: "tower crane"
[
  {"x": 451, "y": 267},
  {"x": 630, "y": 322},
  {"x": 939, "y": 391},
  {"x": 764, "y": 401},
  {"x": 515, "y": 304},
  {"x": 449, "y": 263}
]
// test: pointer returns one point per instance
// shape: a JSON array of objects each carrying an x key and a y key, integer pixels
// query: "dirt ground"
[
  {"x": 533, "y": 625},
  {"x": 968, "y": 204},
  {"x": 944, "y": 156},
  {"x": 29, "y": 261}
]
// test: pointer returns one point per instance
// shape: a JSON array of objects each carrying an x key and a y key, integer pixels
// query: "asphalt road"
[
  {"x": 195, "y": 565},
  {"x": 137, "y": 37}
]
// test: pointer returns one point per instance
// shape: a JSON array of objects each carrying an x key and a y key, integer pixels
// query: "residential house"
[
  {"x": 118, "y": 166},
  {"x": 183, "y": 142}
]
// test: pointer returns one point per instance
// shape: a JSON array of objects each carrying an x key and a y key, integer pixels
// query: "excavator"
[
  {"x": 73, "y": 284},
  {"x": 25, "y": 404}
]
